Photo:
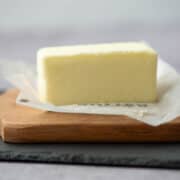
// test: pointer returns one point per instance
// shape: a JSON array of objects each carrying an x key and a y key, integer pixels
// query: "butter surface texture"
[{"x": 101, "y": 73}]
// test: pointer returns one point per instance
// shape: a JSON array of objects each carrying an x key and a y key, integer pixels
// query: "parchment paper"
[{"x": 23, "y": 77}]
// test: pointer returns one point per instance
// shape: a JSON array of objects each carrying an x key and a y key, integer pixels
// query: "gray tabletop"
[
  {"x": 24, "y": 171},
  {"x": 24, "y": 44}
]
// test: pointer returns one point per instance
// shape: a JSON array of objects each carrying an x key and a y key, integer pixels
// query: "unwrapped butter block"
[{"x": 99, "y": 73}]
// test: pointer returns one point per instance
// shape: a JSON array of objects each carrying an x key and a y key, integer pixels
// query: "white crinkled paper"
[{"x": 23, "y": 77}]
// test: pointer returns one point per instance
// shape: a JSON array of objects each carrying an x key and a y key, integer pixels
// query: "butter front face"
[{"x": 102, "y": 73}]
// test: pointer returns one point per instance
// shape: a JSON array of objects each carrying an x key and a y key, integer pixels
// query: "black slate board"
[{"x": 146, "y": 155}]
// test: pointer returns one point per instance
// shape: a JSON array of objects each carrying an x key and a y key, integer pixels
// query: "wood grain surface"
[{"x": 21, "y": 124}]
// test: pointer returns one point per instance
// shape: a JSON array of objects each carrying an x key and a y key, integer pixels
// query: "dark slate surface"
[
  {"x": 147, "y": 155},
  {"x": 23, "y": 45}
]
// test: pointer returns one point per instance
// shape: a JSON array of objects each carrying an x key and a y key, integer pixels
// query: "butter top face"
[
  {"x": 102, "y": 73},
  {"x": 107, "y": 48}
]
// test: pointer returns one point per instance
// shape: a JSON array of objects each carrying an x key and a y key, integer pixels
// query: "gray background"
[
  {"x": 21, "y": 14},
  {"x": 26, "y": 26}
]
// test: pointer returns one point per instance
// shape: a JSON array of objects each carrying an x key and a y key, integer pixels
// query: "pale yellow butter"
[{"x": 100, "y": 73}]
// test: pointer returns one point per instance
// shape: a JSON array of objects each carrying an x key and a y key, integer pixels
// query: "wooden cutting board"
[{"x": 19, "y": 124}]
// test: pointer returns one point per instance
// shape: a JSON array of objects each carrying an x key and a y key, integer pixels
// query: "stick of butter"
[{"x": 100, "y": 73}]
